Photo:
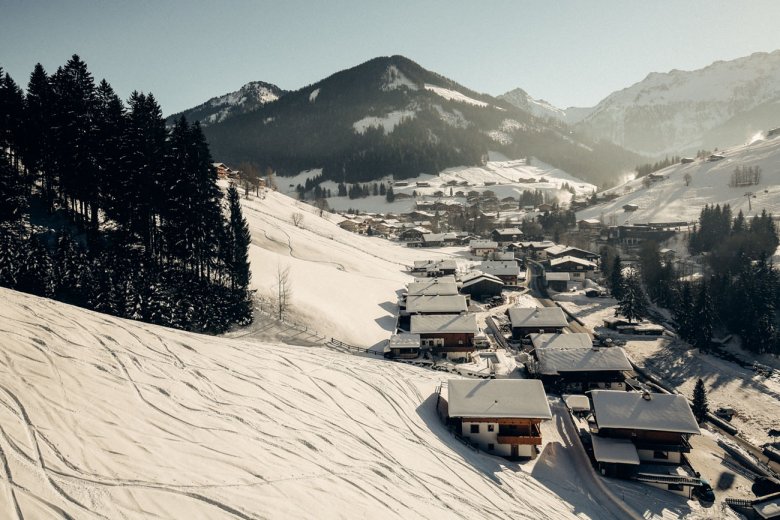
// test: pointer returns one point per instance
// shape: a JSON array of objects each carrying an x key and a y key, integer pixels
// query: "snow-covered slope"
[
  {"x": 538, "y": 107},
  {"x": 679, "y": 111},
  {"x": 671, "y": 200},
  {"x": 250, "y": 97},
  {"x": 108, "y": 418},
  {"x": 343, "y": 285}
]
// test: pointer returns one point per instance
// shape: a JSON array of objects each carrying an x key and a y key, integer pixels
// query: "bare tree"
[
  {"x": 322, "y": 206},
  {"x": 297, "y": 219},
  {"x": 270, "y": 179},
  {"x": 283, "y": 291}
]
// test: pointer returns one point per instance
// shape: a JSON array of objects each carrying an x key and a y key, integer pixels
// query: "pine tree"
[
  {"x": 700, "y": 406},
  {"x": 35, "y": 271},
  {"x": 703, "y": 318},
  {"x": 632, "y": 303},
  {"x": 616, "y": 281}
]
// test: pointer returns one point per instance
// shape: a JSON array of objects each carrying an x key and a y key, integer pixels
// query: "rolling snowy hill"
[
  {"x": 670, "y": 200},
  {"x": 108, "y": 418}
]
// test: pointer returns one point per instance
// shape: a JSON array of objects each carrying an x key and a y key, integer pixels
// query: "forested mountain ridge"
[{"x": 390, "y": 116}]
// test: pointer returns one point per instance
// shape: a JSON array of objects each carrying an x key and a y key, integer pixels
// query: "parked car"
[{"x": 725, "y": 413}]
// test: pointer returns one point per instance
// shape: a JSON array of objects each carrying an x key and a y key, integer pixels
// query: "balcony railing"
[{"x": 519, "y": 435}]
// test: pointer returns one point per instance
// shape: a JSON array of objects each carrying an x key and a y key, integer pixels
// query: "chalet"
[
  {"x": 580, "y": 369},
  {"x": 432, "y": 239},
  {"x": 544, "y": 208},
  {"x": 528, "y": 320},
  {"x": 506, "y": 270},
  {"x": 577, "y": 205},
  {"x": 589, "y": 224},
  {"x": 716, "y": 157},
  {"x": 687, "y": 160},
  {"x": 223, "y": 170},
  {"x": 558, "y": 251},
  {"x": 504, "y": 256},
  {"x": 481, "y": 286},
  {"x": 634, "y": 428},
  {"x": 482, "y": 247},
  {"x": 632, "y": 235},
  {"x": 536, "y": 248},
  {"x": 448, "y": 334},
  {"x": 764, "y": 507},
  {"x": 500, "y": 416},
  {"x": 574, "y": 340},
  {"x": 435, "y": 267},
  {"x": 630, "y": 207},
  {"x": 423, "y": 184},
  {"x": 436, "y": 304},
  {"x": 403, "y": 346},
  {"x": 400, "y": 184},
  {"x": 415, "y": 233},
  {"x": 576, "y": 267},
  {"x": 558, "y": 282},
  {"x": 351, "y": 225},
  {"x": 432, "y": 287},
  {"x": 439, "y": 279},
  {"x": 506, "y": 236}
]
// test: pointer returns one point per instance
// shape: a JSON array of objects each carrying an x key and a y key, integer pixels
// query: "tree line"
[
  {"x": 144, "y": 232},
  {"x": 738, "y": 293}
]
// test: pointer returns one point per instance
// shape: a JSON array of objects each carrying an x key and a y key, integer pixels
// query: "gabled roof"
[
  {"x": 482, "y": 277},
  {"x": 508, "y": 232},
  {"x": 575, "y": 340},
  {"x": 573, "y": 259},
  {"x": 431, "y": 287},
  {"x": 537, "y": 245},
  {"x": 482, "y": 244},
  {"x": 630, "y": 410},
  {"x": 436, "y": 303},
  {"x": 500, "y": 267},
  {"x": 444, "y": 323},
  {"x": 498, "y": 398},
  {"x": 433, "y": 237},
  {"x": 533, "y": 317},
  {"x": 557, "y": 277},
  {"x": 553, "y": 361},
  {"x": 439, "y": 279}
]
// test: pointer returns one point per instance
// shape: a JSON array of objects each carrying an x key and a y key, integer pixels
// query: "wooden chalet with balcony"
[
  {"x": 529, "y": 320},
  {"x": 500, "y": 416},
  {"x": 448, "y": 334}
]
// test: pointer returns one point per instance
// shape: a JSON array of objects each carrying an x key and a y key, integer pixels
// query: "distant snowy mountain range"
[
  {"x": 391, "y": 117},
  {"x": 677, "y": 112}
]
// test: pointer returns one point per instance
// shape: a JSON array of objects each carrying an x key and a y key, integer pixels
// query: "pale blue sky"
[{"x": 567, "y": 52}]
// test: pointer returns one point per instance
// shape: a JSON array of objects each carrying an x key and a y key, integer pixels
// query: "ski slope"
[
  {"x": 671, "y": 200},
  {"x": 105, "y": 418}
]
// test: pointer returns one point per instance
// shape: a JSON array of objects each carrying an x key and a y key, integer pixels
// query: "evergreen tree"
[
  {"x": 616, "y": 281},
  {"x": 238, "y": 231},
  {"x": 684, "y": 313},
  {"x": 700, "y": 406},
  {"x": 703, "y": 318},
  {"x": 35, "y": 272},
  {"x": 390, "y": 195},
  {"x": 632, "y": 303}
]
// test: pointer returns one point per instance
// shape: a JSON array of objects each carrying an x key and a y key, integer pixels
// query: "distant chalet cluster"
[{"x": 105, "y": 207}]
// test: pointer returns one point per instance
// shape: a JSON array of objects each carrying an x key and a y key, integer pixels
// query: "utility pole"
[{"x": 749, "y": 196}]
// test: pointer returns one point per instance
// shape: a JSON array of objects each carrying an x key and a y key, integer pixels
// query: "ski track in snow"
[{"x": 107, "y": 418}]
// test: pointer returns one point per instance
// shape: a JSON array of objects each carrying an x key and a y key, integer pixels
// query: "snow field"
[{"x": 108, "y": 418}]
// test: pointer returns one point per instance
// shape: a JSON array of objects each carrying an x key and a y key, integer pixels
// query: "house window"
[
  {"x": 475, "y": 428},
  {"x": 491, "y": 427},
  {"x": 661, "y": 455},
  {"x": 491, "y": 447}
]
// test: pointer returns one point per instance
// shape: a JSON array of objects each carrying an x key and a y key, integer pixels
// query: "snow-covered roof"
[
  {"x": 444, "y": 323},
  {"x": 553, "y": 361},
  {"x": 433, "y": 237},
  {"x": 500, "y": 267},
  {"x": 537, "y": 245},
  {"x": 498, "y": 398},
  {"x": 435, "y": 264},
  {"x": 564, "y": 259},
  {"x": 577, "y": 402},
  {"x": 574, "y": 340},
  {"x": 436, "y": 303},
  {"x": 439, "y": 279},
  {"x": 482, "y": 244},
  {"x": 480, "y": 278},
  {"x": 404, "y": 341},
  {"x": 431, "y": 287},
  {"x": 633, "y": 410},
  {"x": 768, "y": 507},
  {"x": 620, "y": 451},
  {"x": 557, "y": 277},
  {"x": 508, "y": 232},
  {"x": 537, "y": 317}
]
